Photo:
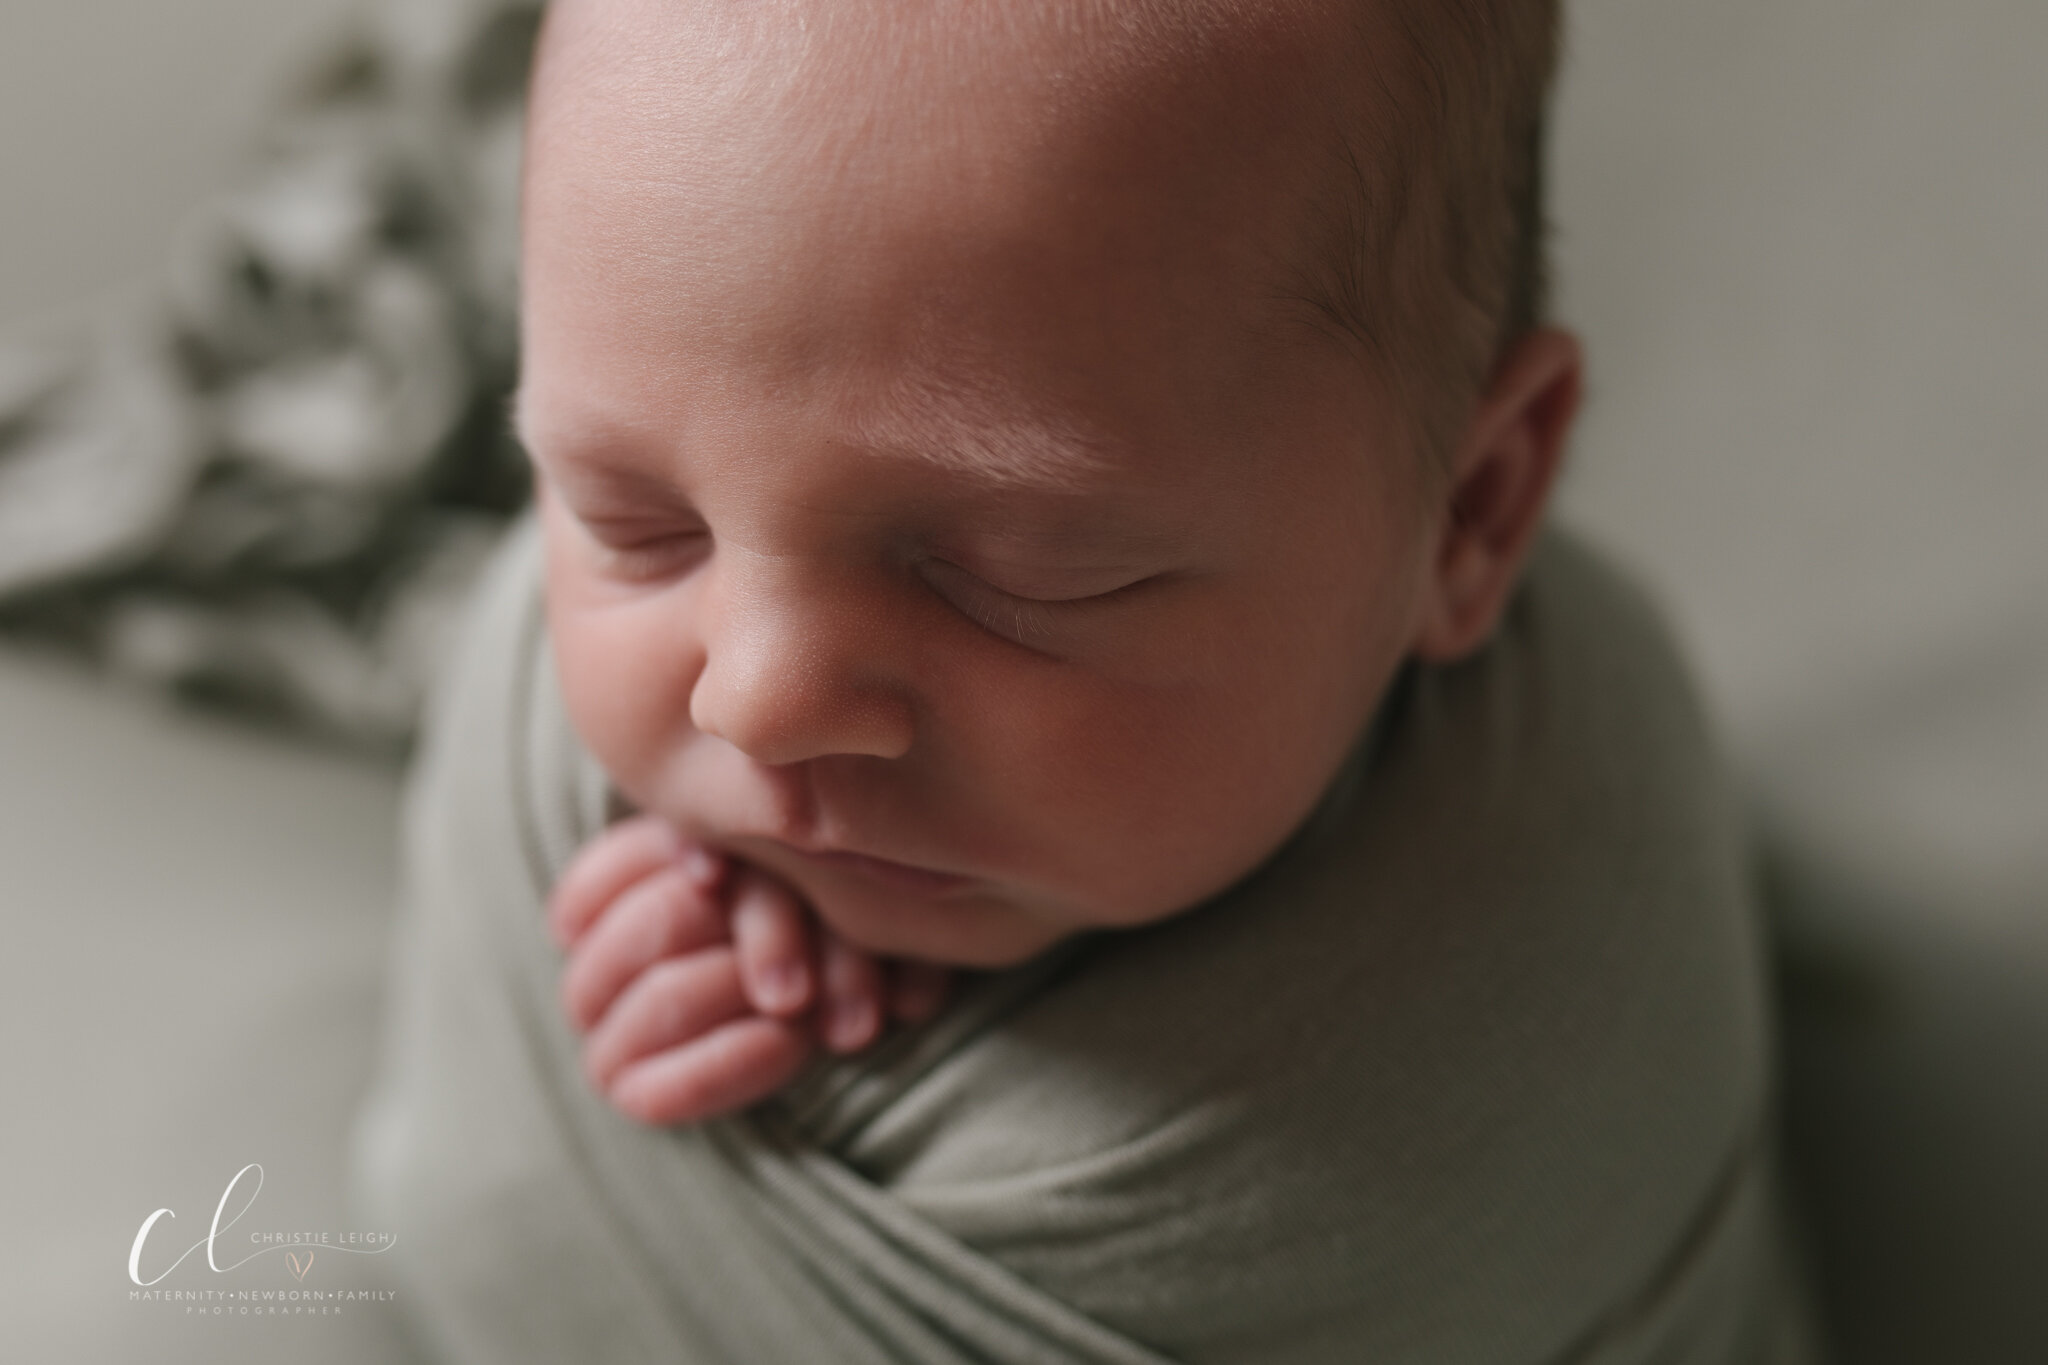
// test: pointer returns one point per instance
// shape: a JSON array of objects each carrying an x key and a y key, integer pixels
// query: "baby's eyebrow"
[
  {"x": 1047, "y": 485},
  {"x": 994, "y": 441},
  {"x": 596, "y": 459},
  {"x": 955, "y": 428}
]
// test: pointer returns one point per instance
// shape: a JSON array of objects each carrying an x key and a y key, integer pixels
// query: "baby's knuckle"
[{"x": 682, "y": 921}]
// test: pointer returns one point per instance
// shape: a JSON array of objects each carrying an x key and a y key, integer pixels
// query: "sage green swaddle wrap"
[{"x": 1473, "y": 1070}]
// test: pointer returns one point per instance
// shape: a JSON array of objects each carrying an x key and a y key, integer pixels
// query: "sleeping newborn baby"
[
  {"x": 985, "y": 468},
  {"x": 1040, "y": 504}
]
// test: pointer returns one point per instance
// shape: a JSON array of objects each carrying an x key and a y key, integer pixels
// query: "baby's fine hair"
[
  {"x": 1428, "y": 241},
  {"x": 1434, "y": 256}
]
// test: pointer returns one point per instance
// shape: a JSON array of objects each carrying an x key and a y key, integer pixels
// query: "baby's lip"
[{"x": 898, "y": 876}]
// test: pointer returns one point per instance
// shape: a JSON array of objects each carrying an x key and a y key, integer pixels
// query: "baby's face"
[{"x": 944, "y": 508}]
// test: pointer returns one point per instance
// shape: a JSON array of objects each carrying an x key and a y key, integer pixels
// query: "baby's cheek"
[
  {"x": 1149, "y": 799},
  {"x": 626, "y": 672}
]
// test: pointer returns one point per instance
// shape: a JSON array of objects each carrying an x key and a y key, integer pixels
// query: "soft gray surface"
[
  {"x": 1804, "y": 241},
  {"x": 117, "y": 119},
  {"x": 195, "y": 921}
]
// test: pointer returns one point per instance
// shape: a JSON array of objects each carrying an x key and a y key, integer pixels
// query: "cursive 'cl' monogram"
[{"x": 214, "y": 1231}]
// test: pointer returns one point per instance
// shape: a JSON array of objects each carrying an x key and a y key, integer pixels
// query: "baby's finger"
[
  {"x": 663, "y": 916},
  {"x": 917, "y": 990},
  {"x": 603, "y": 868},
  {"x": 772, "y": 934},
  {"x": 853, "y": 996},
  {"x": 672, "y": 1002},
  {"x": 730, "y": 1067}
]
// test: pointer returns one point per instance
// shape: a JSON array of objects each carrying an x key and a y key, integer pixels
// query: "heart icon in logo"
[{"x": 299, "y": 1269}]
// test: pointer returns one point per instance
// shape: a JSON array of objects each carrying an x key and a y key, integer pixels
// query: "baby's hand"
[{"x": 702, "y": 984}]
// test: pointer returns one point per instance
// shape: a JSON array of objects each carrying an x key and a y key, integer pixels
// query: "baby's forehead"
[
  {"x": 740, "y": 143},
  {"x": 843, "y": 74},
  {"x": 1093, "y": 205}
]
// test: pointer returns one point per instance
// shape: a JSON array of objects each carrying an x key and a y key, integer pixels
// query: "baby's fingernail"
[
  {"x": 702, "y": 866},
  {"x": 784, "y": 986},
  {"x": 852, "y": 1024}
]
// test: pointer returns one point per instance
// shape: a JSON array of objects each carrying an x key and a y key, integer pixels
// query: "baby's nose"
[{"x": 796, "y": 666}]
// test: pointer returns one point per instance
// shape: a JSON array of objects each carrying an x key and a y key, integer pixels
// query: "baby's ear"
[{"x": 1501, "y": 476}]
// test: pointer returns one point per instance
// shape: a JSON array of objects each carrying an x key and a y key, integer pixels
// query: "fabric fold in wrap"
[{"x": 1473, "y": 1069}]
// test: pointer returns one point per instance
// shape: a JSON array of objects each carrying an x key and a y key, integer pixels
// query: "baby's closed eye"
[
  {"x": 641, "y": 552},
  {"x": 1029, "y": 608}
]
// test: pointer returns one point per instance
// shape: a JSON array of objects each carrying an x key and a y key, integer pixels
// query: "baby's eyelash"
[
  {"x": 1028, "y": 621},
  {"x": 1016, "y": 618}
]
